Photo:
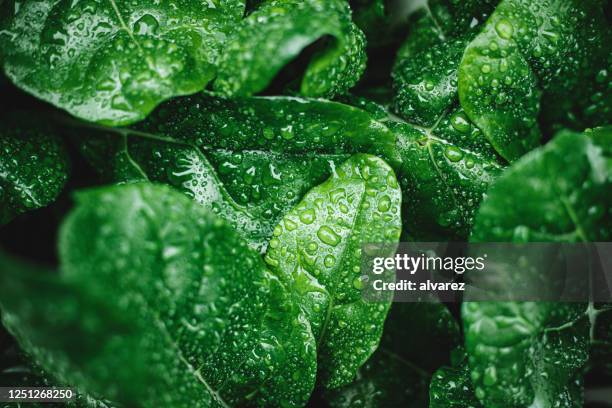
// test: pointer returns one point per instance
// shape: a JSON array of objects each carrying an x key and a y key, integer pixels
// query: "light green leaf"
[{"x": 316, "y": 252}]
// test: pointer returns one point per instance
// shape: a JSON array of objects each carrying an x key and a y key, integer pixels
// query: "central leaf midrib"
[
  {"x": 162, "y": 325},
  {"x": 337, "y": 275}
]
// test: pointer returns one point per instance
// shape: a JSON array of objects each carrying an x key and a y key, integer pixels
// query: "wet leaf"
[
  {"x": 316, "y": 251},
  {"x": 557, "y": 193},
  {"x": 451, "y": 387},
  {"x": 277, "y": 32},
  {"x": 141, "y": 313},
  {"x": 417, "y": 339},
  {"x": 33, "y": 165},
  {"x": 113, "y": 62},
  {"x": 445, "y": 172},
  {"x": 524, "y": 49},
  {"x": 250, "y": 160}
]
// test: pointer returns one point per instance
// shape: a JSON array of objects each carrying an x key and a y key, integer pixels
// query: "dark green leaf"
[
  {"x": 445, "y": 172},
  {"x": 447, "y": 161},
  {"x": 451, "y": 387},
  {"x": 316, "y": 251},
  {"x": 113, "y": 61},
  {"x": 33, "y": 165},
  {"x": 276, "y": 33},
  {"x": 417, "y": 339},
  {"x": 141, "y": 313},
  {"x": 425, "y": 72}
]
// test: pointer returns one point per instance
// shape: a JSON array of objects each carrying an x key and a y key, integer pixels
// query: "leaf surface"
[
  {"x": 277, "y": 32},
  {"x": 151, "y": 321},
  {"x": 250, "y": 160},
  {"x": 524, "y": 49},
  {"x": 316, "y": 251},
  {"x": 417, "y": 339},
  {"x": 524, "y": 353},
  {"x": 113, "y": 61},
  {"x": 33, "y": 165}
]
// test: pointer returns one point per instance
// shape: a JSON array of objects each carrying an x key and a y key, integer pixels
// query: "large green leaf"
[
  {"x": 268, "y": 152},
  {"x": 277, "y": 32},
  {"x": 33, "y": 165},
  {"x": 113, "y": 61},
  {"x": 524, "y": 49},
  {"x": 563, "y": 191},
  {"x": 316, "y": 251},
  {"x": 524, "y": 353},
  {"x": 250, "y": 160},
  {"x": 160, "y": 304},
  {"x": 417, "y": 339}
]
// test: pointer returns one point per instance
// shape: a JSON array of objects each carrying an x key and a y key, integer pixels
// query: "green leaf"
[
  {"x": 277, "y": 32},
  {"x": 250, "y": 160},
  {"x": 33, "y": 165},
  {"x": 557, "y": 193},
  {"x": 425, "y": 71},
  {"x": 417, "y": 339},
  {"x": 112, "y": 62},
  {"x": 142, "y": 314},
  {"x": 316, "y": 251},
  {"x": 524, "y": 49},
  {"x": 451, "y": 387}
]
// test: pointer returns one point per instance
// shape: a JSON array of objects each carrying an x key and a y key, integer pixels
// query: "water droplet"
[
  {"x": 384, "y": 204},
  {"x": 328, "y": 236},
  {"x": 453, "y": 154},
  {"x": 504, "y": 29},
  {"x": 307, "y": 216},
  {"x": 460, "y": 122}
]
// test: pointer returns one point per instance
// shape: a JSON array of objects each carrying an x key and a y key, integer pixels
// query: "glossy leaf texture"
[
  {"x": 417, "y": 339},
  {"x": 250, "y": 160},
  {"x": 425, "y": 72},
  {"x": 277, "y": 32},
  {"x": 316, "y": 252},
  {"x": 525, "y": 49},
  {"x": 448, "y": 162},
  {"x": 113, "y": 61},
  {"x": 445, "y": 172},
  {"x": 33, "y": 165},
  {"x": 142, "y": 315},
  {"x": 558, "y": 193},
  {"x": 451, "y": 387}
]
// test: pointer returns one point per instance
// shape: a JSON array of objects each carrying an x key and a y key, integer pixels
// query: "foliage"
[{"x": 214, "y": 168}]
